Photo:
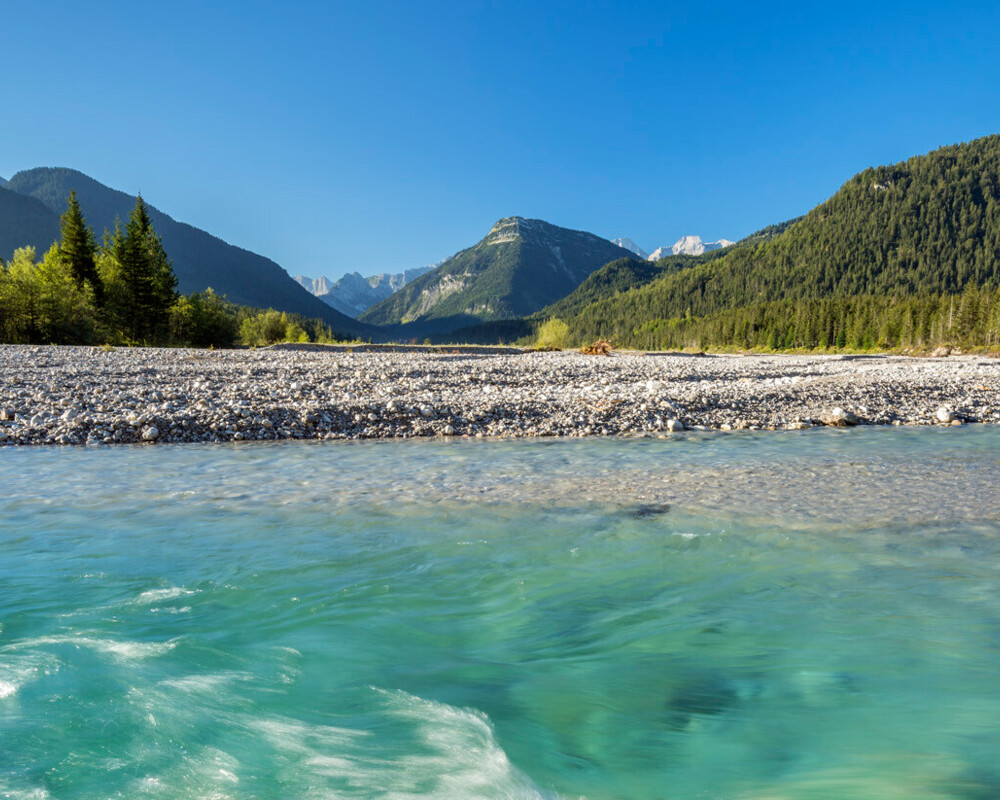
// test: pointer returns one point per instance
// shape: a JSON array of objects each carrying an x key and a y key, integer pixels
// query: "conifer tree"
[
  {"x": 148, "y": 281},
  {"x": 78, "y": 248}
]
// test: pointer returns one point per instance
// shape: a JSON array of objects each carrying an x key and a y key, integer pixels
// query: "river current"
[{"x": 749, "y": 616}]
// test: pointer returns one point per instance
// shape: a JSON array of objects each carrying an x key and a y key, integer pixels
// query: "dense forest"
[
  {"x": 895, "y": 241},
  {"x": 920, "y": 322},
  {"x": 124, "y": 292}
]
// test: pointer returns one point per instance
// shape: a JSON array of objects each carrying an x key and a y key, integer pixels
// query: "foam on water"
[
  {"x": 512, "y": 620},
  {"x": 160, "y": 595},
  {"x": 123, "y": 650}
]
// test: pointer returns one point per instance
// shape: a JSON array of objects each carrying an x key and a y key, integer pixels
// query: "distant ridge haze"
[{"x": 353, "y": 293}]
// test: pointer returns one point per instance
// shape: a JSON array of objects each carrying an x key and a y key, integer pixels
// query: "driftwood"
[{"x": 602, "y": 347}]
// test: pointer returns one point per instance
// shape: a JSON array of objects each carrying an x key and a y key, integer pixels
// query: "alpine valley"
[{"x": 906, "y": 255}]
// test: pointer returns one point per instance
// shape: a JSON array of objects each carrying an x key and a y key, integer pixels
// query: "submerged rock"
[{"x": 648, "y": 510}]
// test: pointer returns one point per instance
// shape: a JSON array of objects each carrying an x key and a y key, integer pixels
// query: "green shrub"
[{"x": 553, "y": 335}]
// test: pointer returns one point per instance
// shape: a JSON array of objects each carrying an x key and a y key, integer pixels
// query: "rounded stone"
[{"x": 943, "y": 414}]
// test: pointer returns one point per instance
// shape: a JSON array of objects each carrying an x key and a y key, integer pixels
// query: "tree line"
[
  {"x": 866, "y": 322},
  {"x": 124, "y": 292}
]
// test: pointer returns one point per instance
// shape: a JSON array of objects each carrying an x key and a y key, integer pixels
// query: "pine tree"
[{"x": 78, "y": 248}]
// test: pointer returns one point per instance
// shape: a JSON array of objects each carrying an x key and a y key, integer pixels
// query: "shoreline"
[{"x": 91, "y": 395}]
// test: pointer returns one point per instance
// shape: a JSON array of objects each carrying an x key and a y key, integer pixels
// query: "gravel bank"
[{"x": 81, "y": 395}]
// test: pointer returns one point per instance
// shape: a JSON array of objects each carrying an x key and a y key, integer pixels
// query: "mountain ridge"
[
  {"x": 25, "y": 222},
  {"x": 200, "y": 259}
]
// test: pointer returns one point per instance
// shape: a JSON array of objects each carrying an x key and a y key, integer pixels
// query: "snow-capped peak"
[{"x": 688, "y": 246}]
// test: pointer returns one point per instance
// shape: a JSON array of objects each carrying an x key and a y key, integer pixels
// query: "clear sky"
[{"x": 380, "y": 136}]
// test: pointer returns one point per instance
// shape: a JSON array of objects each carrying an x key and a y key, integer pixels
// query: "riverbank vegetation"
[{"x": 123, "y": 292}]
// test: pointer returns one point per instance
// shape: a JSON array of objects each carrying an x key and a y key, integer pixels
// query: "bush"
[
  {"x": 553, "y": 335},
  {"x": 263, "y": 328}
]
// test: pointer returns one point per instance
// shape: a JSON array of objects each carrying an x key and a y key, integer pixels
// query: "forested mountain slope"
[{"x": 926, "y": 226}]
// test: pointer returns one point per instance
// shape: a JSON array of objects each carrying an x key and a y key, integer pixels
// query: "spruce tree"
[
  {"x": 78, "y": 248},
  {"x": 148, "y": 281}
]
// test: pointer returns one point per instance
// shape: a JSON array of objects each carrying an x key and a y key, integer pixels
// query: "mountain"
[
  {"x": 694, "y": 246},
  {"x": 354, "y": 294},
  {"x": 631, "y": 246},
  {"x": 688, "y": 246},
  {"x": 924, "y": 228},
  {"x": 768, "y": 233},
  {"x": 200, "y": 260},
  {"x": 520, "y": 266},
  {"x": 25, "y": 221},
  {"x": 616, "y": 277},
  {"x": 3, "y": 183},
  {"x": 315, "y": 286}
]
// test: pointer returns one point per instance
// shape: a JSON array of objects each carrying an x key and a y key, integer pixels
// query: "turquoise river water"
[{"x": 750, "y": 616}]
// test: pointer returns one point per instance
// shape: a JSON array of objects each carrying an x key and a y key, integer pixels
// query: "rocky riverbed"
[{"x": 91, "y": 395}]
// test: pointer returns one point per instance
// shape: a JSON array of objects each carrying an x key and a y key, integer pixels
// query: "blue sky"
[{"x": 381, "y": 136}]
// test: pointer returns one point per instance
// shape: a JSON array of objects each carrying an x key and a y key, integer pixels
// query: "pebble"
[{"x": 80, "y": 395}]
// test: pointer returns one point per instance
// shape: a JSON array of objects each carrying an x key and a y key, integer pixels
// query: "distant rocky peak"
[
  {"x": 506, "y": 230},
  {"x": 628, "y": 244},
  {"x": 694, "y": 246},
  {"x": 316, "y": 286},
  {"x": 688, "y": 246},
  {"x": 3, "y": 183}
]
